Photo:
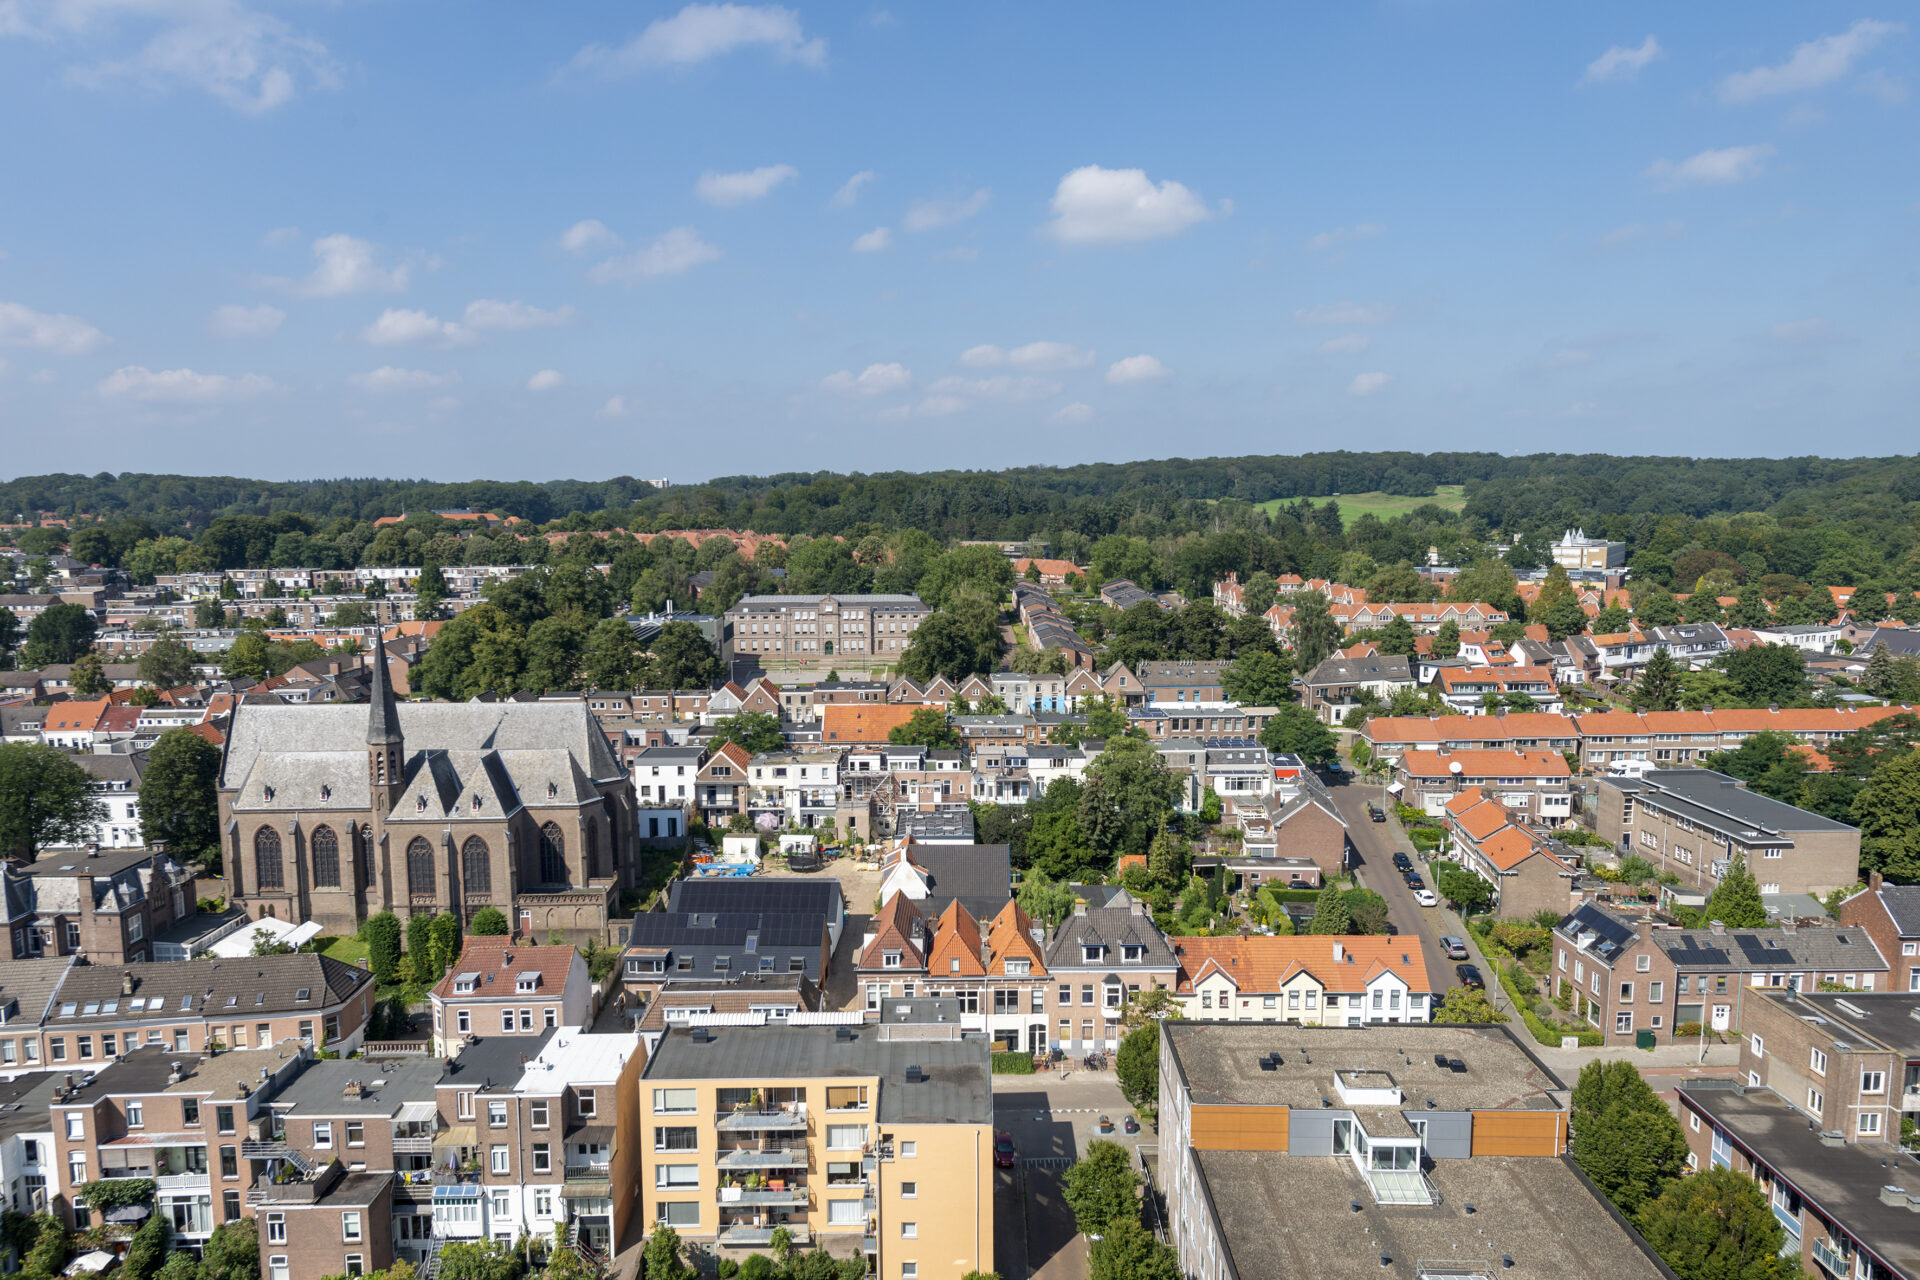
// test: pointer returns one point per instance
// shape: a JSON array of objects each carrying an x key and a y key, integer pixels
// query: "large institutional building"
[{"x": 335, "y": 813}]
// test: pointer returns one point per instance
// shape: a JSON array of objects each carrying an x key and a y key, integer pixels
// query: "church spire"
[{"x": 383, "y": 720}]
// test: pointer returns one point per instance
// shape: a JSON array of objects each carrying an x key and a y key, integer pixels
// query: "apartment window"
[
  {"x": 909, "y": 1191},
  {"x": 1626, "y": 993},
  {"x": 464, "y": 1105},
  {"x": 1066, "y": 995},
  {"x": 537, "y": 1111},
  {"x": 136, "y": 1115},
  {"x": 846, "y": 1137},
  {"x": 667, "y": 1177},
  {"x": 909, "y": 1271},
  {"x": 587, "y": 1104},
  {"x": 356, "y": 1133},
  {"x": 1816, "y": 1101},
  {"x": 229, "y": 1205},
  {"x": 1759, "y": 1046},
  {"x": 1656, "y": 991},
  {"x": 1869, "y": 1123},
  {"x": 526, "y": 1019},
  {"x": 552, "y": 1019},
  {"x": 1622, "y": 1023},
  {"x": 506, "y": 1021},
  {"x": 350, "y": 1227},
  {"x": 909, "y": 1231},
  {"x": 85, "y": 1047},
  {"x": 543, "y": 1201},
  {"x": 76, "y": 1127},
  {"x": 542, "y": 1157},
  {"x": 1817, "y": 1060},
  {"x": 1873, "y": 1082},
  {"x": 323, "y": 1133},
  {"x": 679, "y": 1213},
  {"x": 356, "y": 1264},
  {"x": 276, "y": 1228},
  {"x": 497, "y": 1158},
  {"x": 76, "y": 1169},
  {"x": 496, "y": 1115},
  {"x": 463, "y": 1021},
  {"x": 229, "y": 1162},
  {"x": 675, "y": 1138},
  {"x": 1642, "y": 964}
]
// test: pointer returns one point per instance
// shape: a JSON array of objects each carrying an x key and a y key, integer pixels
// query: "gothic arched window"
[
  {"x": 476, "y": 868},
  {"x": 553, "y": 855},
  {"x": 266, "y": 860},
  {"x": 325, "y": 848},
  {"x": 419, "y": 866}
]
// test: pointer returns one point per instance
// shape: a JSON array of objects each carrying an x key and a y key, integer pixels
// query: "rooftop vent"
[
  {"x": 914, "y": 1074},
  {"x": 843, "y": 1033},
  {"x": 1271, "y": 1062},
  {"x": 700, "y": 1035}
]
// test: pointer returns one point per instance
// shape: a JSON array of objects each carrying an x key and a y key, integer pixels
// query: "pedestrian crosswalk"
[{"x": 1048, "y": 1162}]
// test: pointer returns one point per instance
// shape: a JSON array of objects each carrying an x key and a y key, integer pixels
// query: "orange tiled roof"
[
  {"x": 956, "y": 944},
  {"x": 1508, "y": 847},
  {"x": 1525, "y": 724},
  {"x": 845, "y": 722},
  {"x": 1482, "y": 764},
  {"x": 1261, "y": 964},
  {"x": 507, "y": 959},
  {"x": 76, "y": 717}
]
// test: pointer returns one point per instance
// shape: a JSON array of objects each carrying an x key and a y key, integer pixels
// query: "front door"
[{"x": 1722, "y": 1016}]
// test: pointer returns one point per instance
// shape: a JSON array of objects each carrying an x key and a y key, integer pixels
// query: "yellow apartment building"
[{"x": 859, "y": 1139}]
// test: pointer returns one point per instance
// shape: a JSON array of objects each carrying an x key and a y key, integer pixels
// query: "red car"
[{"x": 1003, "y": 1152}]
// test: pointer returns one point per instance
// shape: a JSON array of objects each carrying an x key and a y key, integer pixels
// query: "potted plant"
[{"x": 755, "y": 1100}]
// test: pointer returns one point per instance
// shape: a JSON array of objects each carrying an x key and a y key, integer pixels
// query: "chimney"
[
  {"x": 1079, "y": 906},
  {"x": 126, "y": 982},
  {"x": 1339, "y": 952},
  {"x": 1717, "y": 928},
  {"x": 1787, "y": 925},
  {"x": 1874, "y": 882}
]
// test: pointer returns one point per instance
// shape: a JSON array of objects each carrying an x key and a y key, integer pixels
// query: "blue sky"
[{"x": 405, "y": 237}]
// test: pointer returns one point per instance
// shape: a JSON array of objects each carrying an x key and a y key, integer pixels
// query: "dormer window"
[
  {"x": 527, "y": 982},
  {"x": 466, "y": 983},
  {"x": 1132, "y": 953},
  {"x": 1091, "y": 952}
]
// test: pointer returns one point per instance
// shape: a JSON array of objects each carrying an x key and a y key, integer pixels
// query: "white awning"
[
  {"x": 1396, "y": 788},
  {"x": 417, "y": 1113}
]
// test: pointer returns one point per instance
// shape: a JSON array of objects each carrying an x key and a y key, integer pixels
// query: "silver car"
[{"x": 1455, "y": 947}]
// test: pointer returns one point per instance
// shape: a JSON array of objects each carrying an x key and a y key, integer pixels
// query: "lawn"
[{"x": 1385, "y": 506}]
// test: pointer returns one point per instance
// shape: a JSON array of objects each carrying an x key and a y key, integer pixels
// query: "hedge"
[
  {"x": 1012, "y": 1062},
  {"x": 1523, "y": 1004}
]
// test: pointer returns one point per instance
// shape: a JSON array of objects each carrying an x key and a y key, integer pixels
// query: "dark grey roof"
[
  {"x": 957, "y": 1087},
  {"x": 385, "y": 1084},
  {"x": 980, "y": 876},
  {"x": 1831, "y": 950},
  {"x": 1885, "y": 1017},
  {"x": 383, "y": 715},
  {"x": 246, "y": 987},
  {"x": 1901, "y": 642},
  {"x": 30, "y": 984},
  {"x": 1841, "y": 1181},
  {"x": 782, "y": 601},
  {"x": 495, "y": 1062},
  {"x": 1611, "y": 933},
  {"x": 24, "y": 1101},
  {"x": 1902, "y": 902},
  {"x": 1340, "y": 670},
  {"x": 727, "y": 931},
  {"x": 1109, "y": 921},
  {"x": 1725, "y": 805},
  {"x": 785, "y": 894},
  {"x": 935, "y": 826}
]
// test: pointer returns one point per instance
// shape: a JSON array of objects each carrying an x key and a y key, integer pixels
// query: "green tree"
[
  {"x": 445, "y": 937},
  {"x": 1101, "y": 1187},
  {"x": 480, "y": 1260},
  {"x": 480, "y": 651},
  {"x": 1771, "y": 764},
  {"x": 1654, "y": 605},
  {"x": 1610, "y": 621},
  {"x": 1330, "y": 915},
  {"x": 948, "y": 644},
  {"x": 45, "y": 798},
  {"x": 1878, "y": 679},
  {"x": 1565, "y": 618},
  {"x": 167, "y": 664},
  {"x": 1127, "y": 1251},
  {"x": 611, "y": 658},
  {"x": 420, "y": 948},
  {"x": 50, "y": 1250},
  {"x": 1658, "y": 688},
  {"x": 926, "y": 727},
  {"x": 756, "y": 731},
  {"x": 1555, "y": 589},
  {"x": 1169, "y": 858},
  {"x": 1716, "y": 1225},
  {"x": 1366, "y": 912},
  {"x": 682, "y": 658},
  {"x": 9, "y": 637},
  {"x": 1105, "y": 720},
  {"x": 233, "y": 1251},
  {"x": 381, "y": 933},
  {"x": 1735, "y": 901},
  {"x": 1469, "y": 894},
  {"x": 1260, "y": 678},
  {"x": 1466, "y": 1004},
  {"x": 181, "y": 1265},
  {"x": 1315, "y": 633},
  {"x": 179, "y": 803},
  {"x": 553, "y": 653},
  {"x": 246, "y": 657},
  {"x": 1257, "y": 593},
  {"x": 61, "y": 633},
  {"x": 147, "y": 1251},
  {"x": 89, "y": 678},
  {"x": 1396, "y": 638},
  {"x": 490, "y": 922},
  {"x": 660, "y": 1258},
  {"x": 1446, "y": 641},
  {"x": 1887, "y": 812},
  {"x": 1045, "y": 900},
  {"x": 430, "y": 591},
  {"x": 1624, "y": 1138},
  {"x": 1128, "y": 796},
  {"x": 1766, "y": 674},
  {"x": 1296, "y": 730}
]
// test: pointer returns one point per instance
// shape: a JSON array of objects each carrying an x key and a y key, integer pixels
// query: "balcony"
[
  {"x": 585, "y": 1172},
  {"x": 738, "y": 1237},
  {"x": 1836, "y": 1258},
  {"x": 786, "y": 1198},
  {"x": 182, "y": 1182},
  {"x": 763, "y": 1158},
  {"x": 1910, "y": 1100},
  {"x": 413, "y": 1146},
  {"x": 748, "y": 1120}
]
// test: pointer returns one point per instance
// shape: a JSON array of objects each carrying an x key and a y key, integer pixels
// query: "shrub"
[
  {"x": 1012, "y": 1062},
  {"x": 1426, "y": 839},
  {"x": 1686, "y": 1029},
  {"x": 491, "y": 922},
  {"x": 382, "y": 935}
]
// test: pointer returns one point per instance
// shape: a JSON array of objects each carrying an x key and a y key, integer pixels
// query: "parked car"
[
  {"x": 1425, "y": 898},
  {"x": 1454, "y": 946},
  {"x": 1003, "y": 1150},
  {"x": 1403, "y": 862},
  {"x": 1469, "y": 976},
  {"x": 1415, "y": 883},
  {"x": 1375, "y": 812}
]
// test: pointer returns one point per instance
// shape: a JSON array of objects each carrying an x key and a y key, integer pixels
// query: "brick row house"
[
  {"x": 1890, "y": 915},
  {"x": 1851, "y": 1062},
  {"x": 1527, "y": 872},
  {"x": 1534, "y": 784},
  {"x": 108, "y": 904},
  {"x": 1312, "y": 981},
  {"x": 1107, "y": 951},
  {"x": 500, "y": 987}
]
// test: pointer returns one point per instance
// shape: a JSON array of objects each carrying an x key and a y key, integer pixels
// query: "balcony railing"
[
  {"x": 182, "y": 1182},
  {"x": 586, "y": 1172},
  {"x": 746, "y": 1120},
  {"x": 759, "y": 1158},
  {"x": 788, "y": 1197},
  {"x": 1837, "y": 1259},
  {"x": 734, "y": 1236},
  {"x": 413, "y": 1146}
]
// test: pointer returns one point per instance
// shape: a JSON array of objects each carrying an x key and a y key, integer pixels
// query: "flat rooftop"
[
  {"x": 574, "y": 1057},
  {"x": 1842, "y": 1181},
  {"x": 1221, "y": 1064},
  {"x": 1890, "y": 1019},
  {"x": 75, "y": 862},
  {"x": 1284, "y": 1217},
  {"x": 957, "y": 1088},
  {"x": 386, "y": 1083},
  {"x": 495, "y": 1062}
]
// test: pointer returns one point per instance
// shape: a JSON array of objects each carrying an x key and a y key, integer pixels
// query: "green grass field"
[{"x": 1384, "y": 506}]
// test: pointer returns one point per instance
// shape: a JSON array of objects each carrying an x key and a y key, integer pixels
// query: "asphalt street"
[{"x": 1052, "y": 1117}]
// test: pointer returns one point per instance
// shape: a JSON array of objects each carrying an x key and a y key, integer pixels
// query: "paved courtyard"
[{"x": 1052, "y": 1117}]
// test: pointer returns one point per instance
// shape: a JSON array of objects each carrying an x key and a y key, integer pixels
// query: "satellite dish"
[{"x": 1454, "y": 767}]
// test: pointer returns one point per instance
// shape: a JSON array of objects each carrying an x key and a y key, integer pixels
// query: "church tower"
[{"x": 386, "y": 751}]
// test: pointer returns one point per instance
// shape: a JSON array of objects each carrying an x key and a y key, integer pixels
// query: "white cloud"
[
  {"x": 877, "y": 240},
  {"x": 42, "y": 377},
  {"x": 671, "y": 253},
  {"x": 512, "y": 317},
  {"x": 1712, "y": 168},
  {"x": 702, "y": 31},
  {"x": 1621, "y": 62},
  {"x": 1116, "y": 206},
  {"x": 345, "y": 265},
  {"x": 588, "y": 233},
  {"x": 1365, "y": 384},
  {"x": 59, "y": 335},
  {"x": 729, "y": 189},
  {"x": 1035, "y": 357},
  {"x": 235, "y": 321},
  {"x": 397, "y": 326},
  {"x": 1345, "y": 235},
  {"x": 181, "y": 386},
  {"x": 1815, "y": 63},
  {"x": 1071, "y": 415},
  {"x": 615, "y": 407},
  {"x": 251, "y": 61},
  {"x": 388, "y": 378},
  {"x": 1141, "y": 368},
  {"x": 850, "y": 189},
  {"x": 545, "y": 380},
  {"x": 1344, "y": 313},
  {"x": 929, "y": 215},
  {"x": 874, "y": 380},
  {"x": 1346, "y": 344}
]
